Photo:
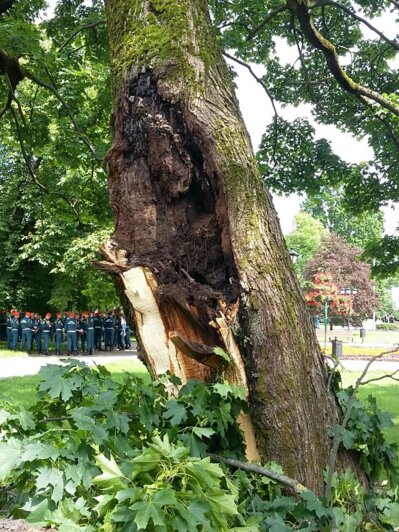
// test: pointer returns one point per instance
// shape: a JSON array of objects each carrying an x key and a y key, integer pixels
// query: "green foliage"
[
  {"x": 83, "y": 418},
  {"x": 359, "y": 230},
  {"x": 365, "y": 433},
  {"x": 54, "y": 212},
  {"x": 96, "y": 453},
  {"x": 305, "y": 239}
]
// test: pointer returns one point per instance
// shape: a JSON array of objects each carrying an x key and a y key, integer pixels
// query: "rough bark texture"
[{"x": 197, "y": 246}]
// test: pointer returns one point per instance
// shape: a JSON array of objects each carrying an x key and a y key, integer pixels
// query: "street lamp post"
[
  {"x": 326, "y": 303},
  {"x": 351, "y": 292}
]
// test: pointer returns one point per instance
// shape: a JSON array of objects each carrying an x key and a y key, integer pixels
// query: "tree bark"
[{"x": 197, "y": 249}]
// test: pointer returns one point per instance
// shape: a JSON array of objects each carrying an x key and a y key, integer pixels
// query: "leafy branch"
[
  {"x": 78, "y": 30},
  {"x": 341, "y": 428},
  {"x": 318, "y": 41}
]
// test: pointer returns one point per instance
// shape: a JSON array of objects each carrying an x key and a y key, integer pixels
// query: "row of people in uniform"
[{"x": 91, "y": 329}]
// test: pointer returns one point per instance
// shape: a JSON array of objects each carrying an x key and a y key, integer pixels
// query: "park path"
[
  {"x": 377, "y": 365},
  {"x": 30, "y": 365},
  {"x": 21, "y": 366}
]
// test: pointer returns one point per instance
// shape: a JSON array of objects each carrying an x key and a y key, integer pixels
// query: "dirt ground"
[{"x": 18, "y": 525}]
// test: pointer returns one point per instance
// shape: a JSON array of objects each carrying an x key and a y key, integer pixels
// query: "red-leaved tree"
[
  {"x": 325, "y": 291},
  {"x": 341, "y": 262}
]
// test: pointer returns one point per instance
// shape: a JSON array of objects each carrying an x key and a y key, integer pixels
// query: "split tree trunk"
[{"x": 197, "y": 249}]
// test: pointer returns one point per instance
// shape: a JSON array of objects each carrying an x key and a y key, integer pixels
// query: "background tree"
[
  {"x": 358, "y": 98},
  {"x": 340, "y": 260},
  {"x": 54, "y": 198},
  {"x": 329, "y": 207},
  {"x": 305, "y": 239}
]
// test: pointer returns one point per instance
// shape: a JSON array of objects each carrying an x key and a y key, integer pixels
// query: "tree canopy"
[
  {"x": 344, "y": 67},
  {"x": 305, "y": 239},
  {"x": 361, "y": 230},
  {"x": 54, "y": 199}
]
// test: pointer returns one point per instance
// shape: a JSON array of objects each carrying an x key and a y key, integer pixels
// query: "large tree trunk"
[{"x": 198, "y": 249}]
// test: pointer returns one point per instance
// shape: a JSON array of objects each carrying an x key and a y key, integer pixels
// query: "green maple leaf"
[
  {"x": 37, "y": 509},
  {"x": 203, "y": 432},
  {"x": 4, "y": 415},
  {"x": 226, "y": 359},
  {"x": 222, "y": 389},
  {"x": 10, "y": 452},
  {"x": 36, "y": 450},
  {"x": 110, "y": 469},
  {"x": 198, "y": 509},
  {"x": 194, "y": 444},
  {"x": 314, "y": 504},
  {"x": 153, "y": 508},
  {"x": 48, "y": 476},
  {"x": 57, "y": 387},
  {"x": 222, "y": 504},
  {"x": 348, "y": 439},
  {"x": 176, "y": 412},
  {"x": 26, "y": 419}
]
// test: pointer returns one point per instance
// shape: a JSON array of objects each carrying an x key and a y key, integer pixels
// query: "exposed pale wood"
[{"x": 161, "y": 355}]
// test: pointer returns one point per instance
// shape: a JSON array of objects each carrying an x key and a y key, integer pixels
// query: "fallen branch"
[
  {"x": 339, "y": 434},
  {"x": 254, "y": 468}
]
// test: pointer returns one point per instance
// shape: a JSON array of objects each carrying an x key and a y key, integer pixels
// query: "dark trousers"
[
  {"x": 26, "y": 339},
  {"x": 97, "y": 337},
  {"x": 38, "y": 341},
  {"x": 9, "y": 337},
  {"x": 72, "y": 342},
  {"x": 58, "y": 341},
  {"x": 46, "y": 341},
  {"x": 83, "y": 341},
  {"x": 109, "y": 338},
  {"x": 90, "y": 340}
]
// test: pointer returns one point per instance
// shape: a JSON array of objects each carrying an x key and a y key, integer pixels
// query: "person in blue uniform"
[
  {"x": 82, "y": 328},
  {"x": 128, "y": 343},
  {"x": 122, "y": 332},
  {"x": 98, "y": 331},
  {"x": 26, "y": 329},
  {"x": 46, "y": 332},
  {"x": 70, "y": 327},
  {"x": 15, "y": 328},
  {"x": 90, "y": 333},
  {"x": 37, "y": 332},
  {"x": 58, "y": 328},
  {"x": 109, "y": 324}
]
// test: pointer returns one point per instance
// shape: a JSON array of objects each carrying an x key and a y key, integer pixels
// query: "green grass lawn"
[
  {"x": 6, "y": 353},
  {"x": 22, "y": 390}
]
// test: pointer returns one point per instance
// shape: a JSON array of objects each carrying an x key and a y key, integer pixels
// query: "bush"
[{"x": 387, "y": 327}]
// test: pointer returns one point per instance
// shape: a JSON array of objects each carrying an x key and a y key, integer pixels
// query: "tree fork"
[{"x": 197, "y": 247}]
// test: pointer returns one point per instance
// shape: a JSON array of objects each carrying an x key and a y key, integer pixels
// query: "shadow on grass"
[{"x": 21, "y": 391}]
